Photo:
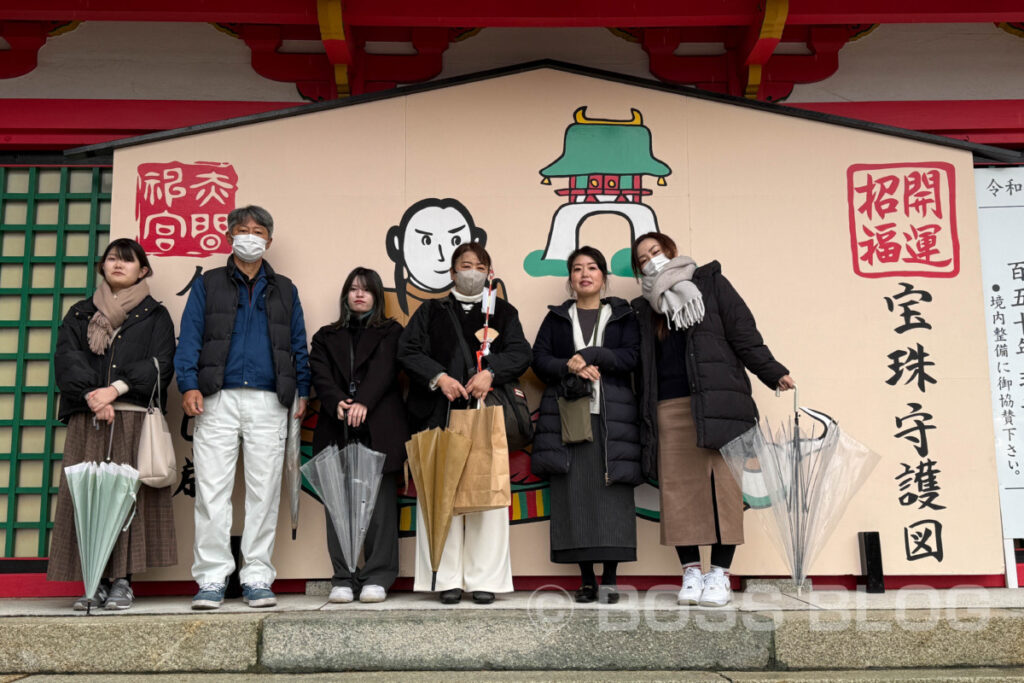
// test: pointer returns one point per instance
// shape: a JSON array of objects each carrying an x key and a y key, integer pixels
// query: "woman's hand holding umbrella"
[{"x": 786, "y": 383}]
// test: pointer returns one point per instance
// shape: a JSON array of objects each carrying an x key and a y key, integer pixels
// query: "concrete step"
[
  {"x": 986, "y": 675},
  {"x": 765, "y": 633}
]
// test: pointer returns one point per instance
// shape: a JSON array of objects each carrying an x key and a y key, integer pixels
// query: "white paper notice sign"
[{"x": 1000, "y": 193}]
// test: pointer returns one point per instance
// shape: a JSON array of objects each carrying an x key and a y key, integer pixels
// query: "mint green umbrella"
[{"x": 103, "y": 495}]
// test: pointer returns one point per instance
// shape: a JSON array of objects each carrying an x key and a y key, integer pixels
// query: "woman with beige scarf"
[{"x": 104, "y": 367}]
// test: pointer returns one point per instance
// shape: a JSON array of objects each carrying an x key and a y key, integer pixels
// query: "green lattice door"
[{"x": 53, "y": 221}]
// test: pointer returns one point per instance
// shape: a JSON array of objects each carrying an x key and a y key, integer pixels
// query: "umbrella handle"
[
  {"x": 110, "y": 442},
  {"x": 796, "y": 397}
]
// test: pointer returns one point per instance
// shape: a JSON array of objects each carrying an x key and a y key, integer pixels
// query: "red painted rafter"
[
  {"x": 522, "y": 13},
  {"x": 60, "y": 124}
]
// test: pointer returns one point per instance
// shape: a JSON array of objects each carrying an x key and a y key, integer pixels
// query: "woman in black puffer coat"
[
  {"x": 105, "y": 370},
  {"x": 695, "y": 350},
  {"x": 593, "y": 516}
]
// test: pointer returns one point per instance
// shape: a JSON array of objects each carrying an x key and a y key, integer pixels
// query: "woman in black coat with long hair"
[
  {"x": 355, "y": 374},
  {"x": 108, "y": 350},
  {"x": 596, "y": 340},
  {"x": 698, "y": 339}
]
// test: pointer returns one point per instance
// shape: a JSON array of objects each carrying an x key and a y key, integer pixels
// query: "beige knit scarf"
[{"x": 112, "y": 309}]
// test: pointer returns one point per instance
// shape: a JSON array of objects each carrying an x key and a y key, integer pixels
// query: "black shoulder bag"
[{"x": 509, "y": 395}]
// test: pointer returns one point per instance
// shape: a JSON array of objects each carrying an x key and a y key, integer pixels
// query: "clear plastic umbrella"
[
  {"x": 293, "y": 477},
  {"x": 102, "y": 494},
  {"x": 347, "y": 481},
  {"x": 808, "y": 478}
]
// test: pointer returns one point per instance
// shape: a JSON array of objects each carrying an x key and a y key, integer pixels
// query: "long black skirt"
[{"x": 591, "y": 522}]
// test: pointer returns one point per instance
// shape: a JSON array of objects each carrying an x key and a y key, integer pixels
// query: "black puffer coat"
[
  {"x": 616, "y": 359},
  {"x": 718, "y": 350},
  {"x": 376, "y": 377},
  {"x": 147, "y": 332}
]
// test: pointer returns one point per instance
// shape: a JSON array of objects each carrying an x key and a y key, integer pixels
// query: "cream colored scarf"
[{"x": 112, "y": 309}]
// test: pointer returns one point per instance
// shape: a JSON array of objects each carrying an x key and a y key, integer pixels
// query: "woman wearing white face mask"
[
  {"x": 697, "y": 340},
  {"x": 476, "y": 554}
]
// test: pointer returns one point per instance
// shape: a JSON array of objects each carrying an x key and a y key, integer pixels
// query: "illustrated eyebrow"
[
  {"x": 454, "y": 230},
  {"x": 422, "y": 232}
]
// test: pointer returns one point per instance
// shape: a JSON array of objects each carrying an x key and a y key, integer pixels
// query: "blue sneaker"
[
  {"x": 210, "y": 596},
  {"x": 258, "y": 595}
]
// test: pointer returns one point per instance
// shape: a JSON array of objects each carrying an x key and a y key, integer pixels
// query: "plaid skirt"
[{"x": 149, "y": 541}]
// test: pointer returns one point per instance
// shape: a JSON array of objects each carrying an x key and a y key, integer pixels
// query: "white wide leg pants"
[
  {"x": 476, "y": 555},
  {"x": 257, "y": 421}
]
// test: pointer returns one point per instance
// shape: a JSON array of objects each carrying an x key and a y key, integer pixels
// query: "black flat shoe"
[
  {"x": 586, "y": 593},
  {"x": 483, "y": 597},
  {"x": 451, "y": 597},
  {"x": 609, "y": 594}
]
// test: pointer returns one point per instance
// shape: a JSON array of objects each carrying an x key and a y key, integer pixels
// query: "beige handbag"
[{"x": 156, "y": 463}]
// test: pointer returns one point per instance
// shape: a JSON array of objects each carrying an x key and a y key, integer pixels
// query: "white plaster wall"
[
  {"x": 924, "y": 62},
  {"x": 146, "y": 61},
  {"x": 598, "y": 48}
]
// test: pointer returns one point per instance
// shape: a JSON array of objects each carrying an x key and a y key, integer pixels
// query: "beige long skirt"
[{"x": 694, "y": 483}]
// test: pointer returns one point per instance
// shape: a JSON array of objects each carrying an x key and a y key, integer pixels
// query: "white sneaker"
[
  {"x": 340, "y": 594},
  {"x": 372, "y": 593},
  {"x": 717, "y": 592},
  {"x": 689, "y": 594}
]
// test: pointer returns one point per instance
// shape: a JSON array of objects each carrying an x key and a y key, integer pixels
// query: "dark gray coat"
[
  {"x": 616, "y": 358},
  {"x": 719, "y": 351}
]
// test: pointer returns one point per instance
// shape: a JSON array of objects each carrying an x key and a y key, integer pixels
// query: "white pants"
[
  {"x": 256, "y": 420},
  {"x": 476, "y": 555}
]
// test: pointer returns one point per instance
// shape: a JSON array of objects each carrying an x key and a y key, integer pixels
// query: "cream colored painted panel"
[
  {"x": 11, "y": 275},
  {"x": 26, "y": 541},
  {"x": 38, "y": 340},
  {"x": 8, "y": 337},
  {"x": 33, "y": 439},
  {"x": 79, "y": 213},
  {"x": 76, "y": 244},
  {"x": 13, "y": 242},
  {"x": 47, "y": 212},
  {"x": 48, "y": 181},
  {"x": 33, "y": 406},
  {"x": 30, "y": 473},
  {"x": 76, "y": 275},
  {"x": 10, "y": 307},
  {"x": 80, "y": 181},
  {"x": 8, "y": 373},
  {"x": 15, "y": 212},
  {"x": 27, "y": 511},
  {"x": 42, "y": 276},
  {"x": 40, "y": 307},
  {"x": 44, "y": 243},
  {"x": 17, "y": 180},
  {"x": 37, "y": 373}
]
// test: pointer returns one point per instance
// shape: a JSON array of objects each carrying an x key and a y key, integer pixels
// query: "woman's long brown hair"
[{"x": 669, "y": 249}]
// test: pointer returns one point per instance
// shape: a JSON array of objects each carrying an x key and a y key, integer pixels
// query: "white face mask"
[
  {"x": 470, "y": 282},
  {"x": 249, "y": 248},
  {"x": 655, "y": 264}
]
